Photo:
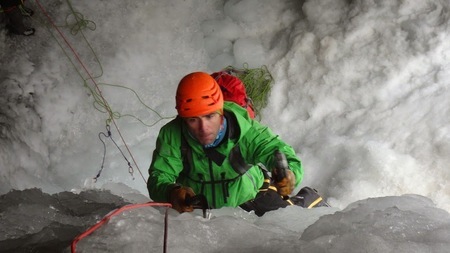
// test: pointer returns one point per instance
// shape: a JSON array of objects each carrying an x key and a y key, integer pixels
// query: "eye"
[
  {"x": 210, "y": 116},
  {"x": 191, "y": 120}
]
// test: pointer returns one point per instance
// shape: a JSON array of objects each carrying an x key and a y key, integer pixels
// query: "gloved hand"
[
  {"x": 284, "y": 178},
  {"x": 286, "y": 185},
  {"x": 178, "y": 197}
]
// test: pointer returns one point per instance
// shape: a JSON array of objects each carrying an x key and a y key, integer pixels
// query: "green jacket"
[{"x": 213, "y": 173}]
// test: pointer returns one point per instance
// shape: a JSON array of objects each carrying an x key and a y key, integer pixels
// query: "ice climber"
[{"x": 214, "y": 149}]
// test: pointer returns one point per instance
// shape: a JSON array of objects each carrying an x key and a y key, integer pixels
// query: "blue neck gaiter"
[{"x": 220, "y": 135}]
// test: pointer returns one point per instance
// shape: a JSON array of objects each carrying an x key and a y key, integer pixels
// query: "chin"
[{"x": 207, "y": 142}]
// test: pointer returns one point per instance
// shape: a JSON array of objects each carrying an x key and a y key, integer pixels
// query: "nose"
[{"x": 202, "y": 124}]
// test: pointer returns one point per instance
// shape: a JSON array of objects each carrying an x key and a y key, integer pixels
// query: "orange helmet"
[{"x": 198, "y": 94}]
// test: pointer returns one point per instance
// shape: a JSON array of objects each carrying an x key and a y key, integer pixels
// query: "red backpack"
[{"x": 233, "y": 90}]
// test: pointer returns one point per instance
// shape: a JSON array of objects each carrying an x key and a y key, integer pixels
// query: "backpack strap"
[
  {"x": 238, "y": 163},
  {"x": 186, "y": 154}
]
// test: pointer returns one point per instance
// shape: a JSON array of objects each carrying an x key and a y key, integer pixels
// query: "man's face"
[{"x": 205, "y": 128}]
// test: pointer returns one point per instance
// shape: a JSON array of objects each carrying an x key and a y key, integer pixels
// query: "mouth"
[
  {"x": 205, "y": 139},
  {"x": 205, "y": 136}
]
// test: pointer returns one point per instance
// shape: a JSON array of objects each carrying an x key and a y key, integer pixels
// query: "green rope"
[
  {"x": 118, "y": 115},
  {"x": 76, "y": 25},
  {"x": 258, "y": 84},
  {"x": 80, "y": 23}
]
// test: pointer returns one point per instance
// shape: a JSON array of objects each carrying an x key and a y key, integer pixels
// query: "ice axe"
[
  {"x": 281, "y": 166},
  {"x": 198, "y": 201}
]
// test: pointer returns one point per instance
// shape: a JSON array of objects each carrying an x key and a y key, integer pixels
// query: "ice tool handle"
[
  {"x": 281, "y": 165},
  {"x": 198, "y": 202}
]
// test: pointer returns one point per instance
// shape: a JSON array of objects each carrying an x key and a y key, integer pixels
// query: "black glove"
[
  {"x": 265, "y": 201},
  {"x": 178, "y": 196}
]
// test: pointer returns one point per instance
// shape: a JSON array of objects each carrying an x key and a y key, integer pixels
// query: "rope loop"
[{"x": 80, "y": 23}]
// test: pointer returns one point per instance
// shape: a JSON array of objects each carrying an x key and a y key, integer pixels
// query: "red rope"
[
  {"x": 118, "y": 211},
  {"x": 93, "y": 81},
  {"x": 124, "y": 208}
]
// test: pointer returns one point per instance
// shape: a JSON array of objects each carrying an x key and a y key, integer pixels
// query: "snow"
[{"x": 361, "y": 92}]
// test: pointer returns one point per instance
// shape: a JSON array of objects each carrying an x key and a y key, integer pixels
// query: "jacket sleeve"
[
  {"x": 263, "y": 143},
  {"x": 165, "y": 167}
]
